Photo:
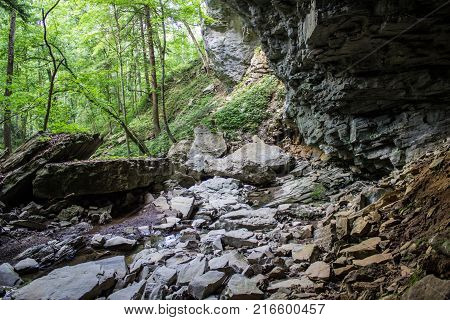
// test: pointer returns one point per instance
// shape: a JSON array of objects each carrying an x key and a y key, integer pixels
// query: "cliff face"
[
  {"x": 230, "y": 43},
  {"x": 367, "y": 80}
]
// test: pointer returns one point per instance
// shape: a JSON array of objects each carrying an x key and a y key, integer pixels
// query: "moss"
[
  {"x": 318, "y": 192},
  {"x": 247, "y": 108}
]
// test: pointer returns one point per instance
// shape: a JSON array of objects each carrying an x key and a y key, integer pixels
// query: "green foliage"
[
  {"x": 319, "y": 192},
  {"x": 247, "y": 108}
]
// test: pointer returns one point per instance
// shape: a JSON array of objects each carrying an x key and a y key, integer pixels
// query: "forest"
[
  {"x": 225, "y": 150},
  {"x": 92, "y": 66}
]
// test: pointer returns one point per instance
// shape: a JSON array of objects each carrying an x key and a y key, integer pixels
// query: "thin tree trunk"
[
  {"x": 55, "y": 64},
  {"x": 201, "y": 53},
  {"x": 154, "y": 81},
  {"x": 122, "y": 80},
  {"x": 145, "y": 58},
  {"x": 163, "y": 73},
  {"x": 7, "y": 141}
]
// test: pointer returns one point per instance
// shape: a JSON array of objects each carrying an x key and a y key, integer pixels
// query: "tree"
[
  {"x": 56, "y": 64},
  {"x": 154, "y": 82},
  {"x": 163, "y": 72},
  {"x": 9, "y": 79}
]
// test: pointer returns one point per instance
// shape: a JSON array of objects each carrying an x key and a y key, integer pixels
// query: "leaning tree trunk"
[{"x": 9, "y": 79}]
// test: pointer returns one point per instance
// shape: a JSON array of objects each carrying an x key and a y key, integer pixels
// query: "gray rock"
[
  {"x": 240, "y": 287},
  {"x": 303, "y": 283},
  {"x": 239, "y": 238},
  {"x": 318, "y": 271},
  {"x": 206, "y": 284},
  {"x": 84, "y": 281},
  {"x": 250, "y": 219},
  {"x": 429, "y": 288},
  {"x": 352, "y": 108},
  {"x": 255, "y": 163},
  {"x": 229, "y": 43},
  {"x": 132, "y": 292},
  {"x": 164, "y": 275},
  {"x": 120, "y": 243},
  {"x": 191, "y": 270},
  {"x": 185, "y": 205},
  {"x": 27, "y": 265},
  {"x": 8, "y": 277}
]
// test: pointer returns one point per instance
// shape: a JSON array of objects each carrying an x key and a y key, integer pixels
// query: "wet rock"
[
  {"x": 8, "y": 277},
  {"x": 84, "y": 281},
  {"x": 239, "y": 238},
  {"x": 318, "y": 271},
  {"x": 240, "y": 287},
  {"x": 98, "y": 177},
  {"x": 26, "y": 266},
  {"x": 429, "y": 288},
  {"x": 132, "y": 292},
  {"x": 206, "y": 284},
  {"x": 120, "y": 243}
]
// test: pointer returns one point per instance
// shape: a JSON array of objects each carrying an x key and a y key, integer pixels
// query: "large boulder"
[
  {"x": 8, "y": 277},
  {"x": 18, "y": 170},
  {"x": 81, "y": 282},
  {"x": 255, "y": 163},
  {"x": 429, "y": 288},
  {"x": 229, "y": 42},
  {"x": 99, "y": 177}
]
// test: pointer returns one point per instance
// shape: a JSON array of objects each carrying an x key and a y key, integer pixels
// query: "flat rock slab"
[
  {"x": 132, "y": 292},
  {"x": 18, "y": 170},
  {"x": 240, "y": 287},
  {"x": 99, "y": 177},
  {"x": 206, "y": 284},
  {"x": 81, "y": 282}
]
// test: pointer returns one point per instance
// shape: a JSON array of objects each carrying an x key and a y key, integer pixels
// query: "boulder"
[
  {"x": 240, "y": 287},
  {"x": 132, "y": 292},
  {"x": 250, "y": 219},
  {"x": 239, "y": 238},
  {"x": 206, "y": 284},
  {"x": 303, "y": 283},
  {"x": 8, "y": 277},
  {"x": 179, "y": 151},
  {"x": 19, "y": 169},
  {"x": 164, "y": 275},
  {"x": 429, "y": 288},
  {"x": 26, "y": 266},
  {"x": 307, "y": 253},
  {"x": 207, "y": 144},
  {"x": 375, "y": 259},
  {"x": 255, "y": 163},
  {"x": 189, "y": 271},
  {"x": 85, "y": 281},
  {"x": 185, "y": 205},
  {"x": 318, "y": 271},
  {"x": 99, "y": 177},
  {"x": 364, "y": 249},
  {"x": 120, "y": 243}
]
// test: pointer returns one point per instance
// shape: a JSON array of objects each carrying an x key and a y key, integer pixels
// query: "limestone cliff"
[{"x": 367, "y": 81}]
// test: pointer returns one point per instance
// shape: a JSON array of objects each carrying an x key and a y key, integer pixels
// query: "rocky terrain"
[{"x": 257, "y": 223}]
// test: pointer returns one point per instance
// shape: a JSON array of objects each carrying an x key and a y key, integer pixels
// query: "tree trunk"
[
  {"x": 121, "y": 69},
  {"x": 163, "y": 74},
  {"x": 9, "y": 79},
  {"x": 144, "y": 55},
  {"x": 201, "y": 53},
  {"x": 152, "y": 60}
]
